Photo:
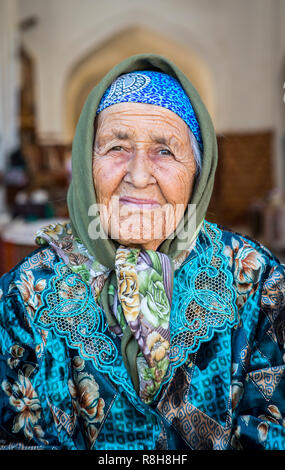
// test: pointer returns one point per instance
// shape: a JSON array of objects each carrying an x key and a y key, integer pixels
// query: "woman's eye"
[
  {"x": 165, "y": 152},
  {"x": 117, "y": 148}
]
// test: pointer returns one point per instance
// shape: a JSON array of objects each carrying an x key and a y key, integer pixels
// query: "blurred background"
[{"x": 53, "y": 52}]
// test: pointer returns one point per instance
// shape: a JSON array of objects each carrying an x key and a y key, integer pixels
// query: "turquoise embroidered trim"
[
  {"x": 203, "y": 303},
  {"x": 70, "y": 311},
  {"x": 203, "y": 298}
]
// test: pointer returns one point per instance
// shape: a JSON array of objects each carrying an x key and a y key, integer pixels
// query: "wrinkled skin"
[{"x": 144, "y": 166}]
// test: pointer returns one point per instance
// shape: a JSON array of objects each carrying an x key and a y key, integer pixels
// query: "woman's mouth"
[{"x": 139, "y": 203}]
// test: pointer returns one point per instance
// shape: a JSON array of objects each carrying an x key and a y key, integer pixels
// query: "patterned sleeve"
[
  {"x": 21, "y": 416},
  {"x": 258, "y": 379}
]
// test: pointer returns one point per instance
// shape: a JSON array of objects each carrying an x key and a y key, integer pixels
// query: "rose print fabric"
[{"x": 144, "y": 292}]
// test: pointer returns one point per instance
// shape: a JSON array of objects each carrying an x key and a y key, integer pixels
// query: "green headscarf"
[{"x": 81, "y": 196}]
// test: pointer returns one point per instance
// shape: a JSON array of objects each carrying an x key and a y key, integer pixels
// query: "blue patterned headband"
[{"x": 155, "y": 88}]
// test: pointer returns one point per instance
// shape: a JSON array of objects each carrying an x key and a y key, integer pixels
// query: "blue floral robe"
[{"x": 63, "y": 384}]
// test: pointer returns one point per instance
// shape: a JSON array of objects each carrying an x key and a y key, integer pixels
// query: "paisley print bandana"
[{"x": 154, "y": 88}]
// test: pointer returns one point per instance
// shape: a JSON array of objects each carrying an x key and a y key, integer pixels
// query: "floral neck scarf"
[
  {"x": 142, "y": 301},
  {"x": 136, "y": 298}
]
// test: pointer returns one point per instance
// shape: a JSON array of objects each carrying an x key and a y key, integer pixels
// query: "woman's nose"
[{"x": 139, "y": 170}]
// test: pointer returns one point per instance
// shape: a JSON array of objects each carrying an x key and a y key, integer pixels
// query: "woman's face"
[{"x": 143, "y": 170}]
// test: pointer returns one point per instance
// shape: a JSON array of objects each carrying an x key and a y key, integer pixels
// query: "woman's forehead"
[{"x": 126, "y": 118}]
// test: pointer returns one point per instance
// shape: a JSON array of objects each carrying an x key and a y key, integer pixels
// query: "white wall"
[
  {"x": 242, "y": 42},
  {"x": 9, "y": 82},
  {"x": 279, "y": 91}
]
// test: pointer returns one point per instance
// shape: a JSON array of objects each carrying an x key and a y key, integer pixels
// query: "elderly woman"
[{"x": 140, "y": 325}]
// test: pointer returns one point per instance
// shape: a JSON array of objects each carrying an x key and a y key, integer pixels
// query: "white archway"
[{"x": 92, "y": 67}]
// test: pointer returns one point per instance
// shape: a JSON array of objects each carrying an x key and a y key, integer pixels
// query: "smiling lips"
[{"x": 141, "y": 203}]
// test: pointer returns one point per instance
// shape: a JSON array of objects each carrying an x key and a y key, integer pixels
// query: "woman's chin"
[
  {"x": 145, "y": 232},
  {"x": 145, "y": 244}
]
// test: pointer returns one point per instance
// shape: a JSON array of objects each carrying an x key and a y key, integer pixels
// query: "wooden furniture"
[
  {"x": 11, "y": 254},
  {"x": 244, "y": 175},
  {"x": 17, "y": 240}
]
